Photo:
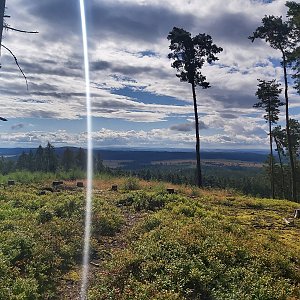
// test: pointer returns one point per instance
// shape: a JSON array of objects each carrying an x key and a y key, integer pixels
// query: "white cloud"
[{"x": 120, "y": 32}]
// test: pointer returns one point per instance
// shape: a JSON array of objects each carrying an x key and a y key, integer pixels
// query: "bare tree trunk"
[
  {"x": 271, "y": 159},
  {"x": 2, "y": 9},
  {"x": 289, "y": 142},
  {"x": 199, "y": 175},
  {"x": 281, "y": 167}
]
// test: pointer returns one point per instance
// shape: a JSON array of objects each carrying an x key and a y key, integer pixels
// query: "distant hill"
[
  {"x": 140, "y": 158},
  {"x": 148, "y": 156}
]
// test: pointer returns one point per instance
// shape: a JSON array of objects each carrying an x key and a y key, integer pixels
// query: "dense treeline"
[
  {"x": 249, "y": 181},
  {"x": 46, "y": 159}
]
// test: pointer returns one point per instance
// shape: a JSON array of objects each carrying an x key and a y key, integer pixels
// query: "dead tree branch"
[
  {"x": 17, "y": 63},
  {"x": 18, "y": 30}
]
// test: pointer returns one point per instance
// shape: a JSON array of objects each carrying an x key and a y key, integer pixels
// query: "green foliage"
[
  {"x": 274, "y": 31},
  {"x": 282, "y": 174},
  {"x": 41, "y": 239},
  {"x": 182, "y": 248},
  {"x": 294, "y": 57},
  {"x": 47, "y": 160},
  {"x": 282, "y": 35},
  {"x": 142, "y": 200},
  {"x": 70, "y": 175},
  {"x": 41, "y": 236},
  {"x": 107, "y": 220},
  {"x": 26, "y": 177},
  {"x": 195, "y": 191},
  {"x": 246, "y": 180},
  {"x": 67, "y": 159},
  {"x": 44, "y": 159},
  {"x": 268, "y": 93},
  {"x": 25, "y": 288},
  {"x": 6, "y": 166},
  {"x": 160, "y": 188},
  {"x": 195, "y": 249},
  {"x": 131, "y": 184},
  {"x": 44, "y": 216},
  {"x": 150, "y": 223},
  {"x": 190, "y": 54},
  {"x": 281, "y": 138}
]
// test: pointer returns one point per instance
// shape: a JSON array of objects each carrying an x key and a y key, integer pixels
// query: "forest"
[
  {"x": 189, "y": 55},
  {"x": 70, "y": 163}
]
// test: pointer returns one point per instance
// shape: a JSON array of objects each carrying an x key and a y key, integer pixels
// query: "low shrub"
[
  {"x": 107, "y": 219},
  {"x": 37, "y": 245},
  {"x": 142, "y": 200},
  {"x": 45, "y": 216},
  {"x": 188, "y": 251},
  {"x": 131, "y": 184},
  {"x": 150, "y": 223}
]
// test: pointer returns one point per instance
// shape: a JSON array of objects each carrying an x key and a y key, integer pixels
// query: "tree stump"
[
  {"x": 79, "y": 184},
  {"x": 170, "y": 191},
  {"x": 297, "y": 213},
  {"x": 10, "y": 182},
  {"x": 114, "y": 188}
]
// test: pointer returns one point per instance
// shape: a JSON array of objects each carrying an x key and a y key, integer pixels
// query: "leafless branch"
[
  {"x": 17, "y": 63},
  {"x": 14, "y": 29}
]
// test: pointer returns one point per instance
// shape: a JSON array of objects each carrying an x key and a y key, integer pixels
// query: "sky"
[{"x": 137, "y": 101}]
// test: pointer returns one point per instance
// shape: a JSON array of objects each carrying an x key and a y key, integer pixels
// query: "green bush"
[
  {"x": 131, "y": 184},
  {"x": 107, "y": 223},
  {"x": 70, "y": 175},
  {"x": 150, "y": 223},
  {"x": 25, "y": 288},
  {"x": 107, "y": 219},
  {"x": 44, "y": 216},
  {"x": 26, "y": 177},
  {"x": 142, "y": 200}
]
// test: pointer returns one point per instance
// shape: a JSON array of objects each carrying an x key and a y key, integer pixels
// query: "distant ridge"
[{"x": 147, "y": 156}]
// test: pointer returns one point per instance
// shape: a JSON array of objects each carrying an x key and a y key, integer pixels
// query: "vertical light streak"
[{"x": 88, "y": 210}]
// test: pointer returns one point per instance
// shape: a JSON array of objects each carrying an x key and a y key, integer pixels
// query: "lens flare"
[{"x": 88, "y": 209}]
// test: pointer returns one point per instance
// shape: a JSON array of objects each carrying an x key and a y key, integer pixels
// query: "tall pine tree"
[{"x": 189, "y": 55}]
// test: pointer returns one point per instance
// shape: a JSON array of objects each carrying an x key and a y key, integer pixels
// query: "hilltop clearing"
[{"x": 147, "y": 243}]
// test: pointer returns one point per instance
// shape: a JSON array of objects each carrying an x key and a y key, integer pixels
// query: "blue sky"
[{"x": 137, "y": 101}]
